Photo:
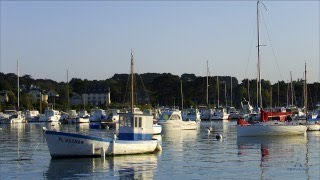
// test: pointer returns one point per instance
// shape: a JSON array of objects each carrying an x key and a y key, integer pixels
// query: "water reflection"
[
  {"x": 124, "y": 167},
  {"x": 276, "y": 155}
]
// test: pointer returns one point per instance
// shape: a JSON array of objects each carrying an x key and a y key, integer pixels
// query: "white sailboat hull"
[
  {"x": 63, "y": 144},
  {"x": 271, "y": 130}
]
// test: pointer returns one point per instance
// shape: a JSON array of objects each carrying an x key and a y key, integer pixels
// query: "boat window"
[
  {"x": 129, "y": 122},
  {"x": 135, "y": 122},
  {"x": 121, "y": 120},
  {"x": 175, "y": 117},
  {"x": 164, "y": 117},
  {"x": 140, "y": 121}
]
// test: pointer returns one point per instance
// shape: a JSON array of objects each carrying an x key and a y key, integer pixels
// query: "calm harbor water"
[{"x": 189, "y": 154}]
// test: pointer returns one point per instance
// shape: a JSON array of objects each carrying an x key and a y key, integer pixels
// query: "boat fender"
[
  {"x": 218, "y": 136},
  {"x": 158, "y": 148},
  {"x": 44, "y": 129}
]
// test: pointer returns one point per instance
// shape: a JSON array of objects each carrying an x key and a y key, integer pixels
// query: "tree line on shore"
[{"x": 162, "y": 89}]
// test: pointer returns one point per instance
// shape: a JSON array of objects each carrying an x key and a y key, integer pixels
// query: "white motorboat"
[
  {"x": 97, "y": 115},
  {"x": 50, "y": 115},
  {"x": 172, "y": 119},
  {"x": 206, "y": 114},
  {"x": 32, "y": 115},
  {"x": 17, "y": 118},
  {"x": 191, "y": 114},
  {"x": 72, "y": 116},
  {"x": 233, "y": 113},
  {"x": 12, "y": 116},
  {"x": 220, "y": 114},
  {"x": 83, "y": 117}
]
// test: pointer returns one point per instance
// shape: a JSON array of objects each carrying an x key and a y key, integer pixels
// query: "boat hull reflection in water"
[{"x": 127, "y": 167}]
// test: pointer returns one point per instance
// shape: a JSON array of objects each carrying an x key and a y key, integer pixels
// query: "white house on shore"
[
  {"x": 97, "y": 97},
  {"x": 38, "y": 94}
]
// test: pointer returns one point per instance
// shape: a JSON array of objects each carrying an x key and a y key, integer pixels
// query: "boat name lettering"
[{"x": 68, "y": 140}]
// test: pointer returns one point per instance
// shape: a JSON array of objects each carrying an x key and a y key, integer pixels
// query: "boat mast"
[
  {"x": 259, "y": 63},
  {"x": 231, "y": 92},
  {"x": 132, "y": 99},
  {"x": 68, "y": 104},
  {"x": 305, "y": 92},
  {"x": 257, "y": 83},
  {"x": 181, "y": 97},
  {"x": 291, "y": 89},
  {"x": 207, "y": 84},
  {"x": 225, "y": 93},
  {"x": 248, "y": 90},
  {"x": 218, "y": 84},
  {"x": 278, "y": 95},
  {"x": 18, "y": 85},
  {"x": 287, "y": 93}
]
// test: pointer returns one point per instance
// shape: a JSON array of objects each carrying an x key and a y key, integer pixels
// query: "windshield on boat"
[{"x": 165, "y": 116}]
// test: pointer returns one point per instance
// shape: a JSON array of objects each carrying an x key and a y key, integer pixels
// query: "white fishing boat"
[
  {"x": 171, "y": 120},
  {"x": 135, "y": 137},
  {"x": 267, "y": 127}
]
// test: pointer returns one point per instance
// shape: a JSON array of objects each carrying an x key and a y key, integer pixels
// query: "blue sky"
[{"x": 93, "y": 39}]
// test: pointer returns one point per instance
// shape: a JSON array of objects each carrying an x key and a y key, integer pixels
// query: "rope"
[{"x": 23, "y": 154}]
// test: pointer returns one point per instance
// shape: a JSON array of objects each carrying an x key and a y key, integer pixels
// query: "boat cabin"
[{"x": 135, "y": 126}]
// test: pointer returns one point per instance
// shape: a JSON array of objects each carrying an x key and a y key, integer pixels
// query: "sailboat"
[
  {"x": 312, "y": 125},
  {"x": 134, "y": 137},
  {"x": 267, "y": 127},
  {"x": 18, "y": 117}
]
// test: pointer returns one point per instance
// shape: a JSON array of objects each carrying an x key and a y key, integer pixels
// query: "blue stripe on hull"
[
  {"x": 77, "y": 136},
  {"x": 132, "y": 136}
]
